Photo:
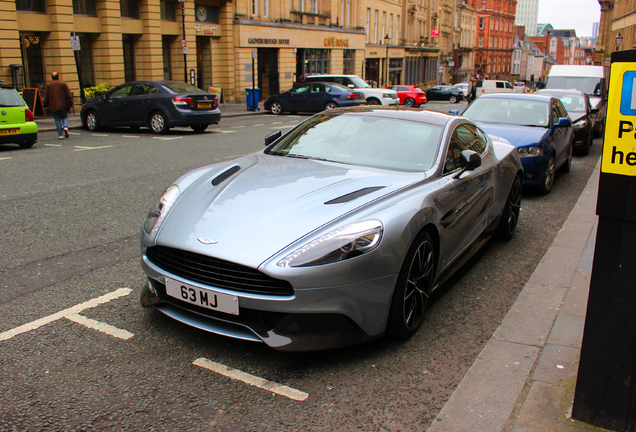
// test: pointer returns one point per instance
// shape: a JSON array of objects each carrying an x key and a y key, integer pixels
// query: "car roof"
[
  {"x": 517, "y": 96},
  {"x": 560, "y": 92},
  {"x": 399, "y": 112}
]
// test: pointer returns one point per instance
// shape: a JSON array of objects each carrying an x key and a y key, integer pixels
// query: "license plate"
[
  {"x": 202, "y": 297},
  {"x": 205, "y": 105},
  {"x": 9, "y": 131}
]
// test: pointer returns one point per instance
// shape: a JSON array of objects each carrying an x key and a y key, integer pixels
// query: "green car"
[{"x": 16, "y": 120}]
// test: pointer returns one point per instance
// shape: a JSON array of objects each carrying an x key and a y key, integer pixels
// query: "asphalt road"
[{"x": 79, "y": 353}]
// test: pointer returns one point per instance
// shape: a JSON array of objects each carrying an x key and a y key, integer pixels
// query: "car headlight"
[
  {"x": 530, "y": 151},
  {"x": 338, "y": 245},
  {"x": 387, "y": 95},
  {"x": 580, "y": 124},
  {"x": 158, "y": 212}
]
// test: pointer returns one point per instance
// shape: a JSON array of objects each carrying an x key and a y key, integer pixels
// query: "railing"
[{"x": 301, "y": 17}]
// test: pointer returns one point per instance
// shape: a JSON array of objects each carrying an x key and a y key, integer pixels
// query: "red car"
[{"x": 409, "y": 95}]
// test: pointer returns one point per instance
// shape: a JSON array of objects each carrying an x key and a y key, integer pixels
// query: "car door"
[
  {"x": 467, "y": 208},
  {"x": 561, "y": 136},
  {"x": 132, "y": 107},
  {"x": 296, "y": 101},
  {"x": 433, "y": 93},
  {"x": 317, "y": 97},
  {"x": 115, "y": 105}
]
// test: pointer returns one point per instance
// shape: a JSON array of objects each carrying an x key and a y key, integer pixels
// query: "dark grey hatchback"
[{"x": 158, "y": 105}]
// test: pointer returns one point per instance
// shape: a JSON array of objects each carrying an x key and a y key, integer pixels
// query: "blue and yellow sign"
[{"x": 619, "y": 147}]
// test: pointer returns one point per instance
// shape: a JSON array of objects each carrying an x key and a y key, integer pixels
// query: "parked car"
[
  {"x": 158, "y": 105},
  {"x": 409, "y": 95},
  {"x": 579, "y": 107},
  {"x": 445, "y": 93},
  {"x": 519, "y": 87},
  {"x": 537, "y": 125},
  {"x": 313, "y": 97},
  {"x": 17, "y": 124},
  {"x": 374, "y": 96},
  {"x": 336, "y": 233},
  {"x": 463, "y": 86},
  {"x": 492, "y": 86}
]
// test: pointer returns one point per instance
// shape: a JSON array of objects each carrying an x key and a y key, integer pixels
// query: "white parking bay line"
[
  {"x": 53, "y": 145},
  {"x": 100, "y": 326},
  {"x": 281, "y": 127},
  {"x": 222, "y": 131},
  {"x": 102, "y": 135},
  {"x": 64, "y": 313},
  {"x": 251, "y": 379},
  {"x": 82, "y": 148},
  {"x": 7, "y": 158},
  {"x": 130, "y": 136},
  {"x": 167, "y": 138}
]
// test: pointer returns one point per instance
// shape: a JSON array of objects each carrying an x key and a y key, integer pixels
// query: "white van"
[
  {"x": 493, "y": 86},
  {"x": 586, "y": 78}
]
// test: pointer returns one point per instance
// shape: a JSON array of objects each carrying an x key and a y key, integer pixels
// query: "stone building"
[
  {"x": 617, "y": 29},
  {"x": 233, "y": 45}
]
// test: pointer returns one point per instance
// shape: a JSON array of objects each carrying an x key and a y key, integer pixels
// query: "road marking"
[
  {"x": 130, "y": 136},
  {"x": 167, "y": 138},
  {"x": 277, "y": 122},
  {"x": 222, "y": 131},
  {"x": 282, "y": 127},
  {"x": 100, "y": 135},
  {"x": 238, "y": 127},
  {"x": 7, "y": 158},
  {"x": 64, "y": 313},
  {"x": 82, "y": 148},
  {"x": 100, "y": 326},
  {"x": 255, "y": 381},
  {"x": 260, "y": 124},
  {"x": 53, "y": 145}
]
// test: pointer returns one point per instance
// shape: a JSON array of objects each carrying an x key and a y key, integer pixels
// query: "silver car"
[{"x": 336, "y": 233}]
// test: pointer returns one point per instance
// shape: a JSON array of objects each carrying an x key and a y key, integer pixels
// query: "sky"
[{"x": 568, "y": 14}]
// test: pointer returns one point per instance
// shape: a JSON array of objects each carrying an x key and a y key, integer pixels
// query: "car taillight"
[
  {"x": 352, "y": 96},
  {"x": 28, "y": 115},
  {"x": 183, "y": 101},
  {"x": 216, "y": 100}
]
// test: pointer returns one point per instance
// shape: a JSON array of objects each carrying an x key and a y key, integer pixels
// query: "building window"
[
  {"x": 366, "y": 28},
  {"x": 383, "y": 25},
  {"x": 86, "y": 60},
  {"x": 129, "y": 8},
  {"x": 254, "y": 7},
  {"x": 31, "y": 5},
  {"x": 481, "y": 22},
  {"x": 301, "y": 5},
  {"x": 166, "y": 45},
  {"x": 481, "y": 40},
  {"x": 348, "y": 13},
  {"x": 266, "y": 8},
  {"x": 314, "y": 6},
  {"x": 317, "y": 61},
  {"x": 33, "y": 59},
  {"x": 84, "y": 7},
  {"x": 375, "y": 27},
  {"x": 397, "y": 30},
  {"x": 129, "y": 57},
  {"x": 168, "y": 10},
  {"x": 349, "y": 62}
]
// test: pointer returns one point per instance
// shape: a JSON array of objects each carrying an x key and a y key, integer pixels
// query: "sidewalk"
[
  {"x": 75, "y": 122},
  {"x": 524, "y": 378}
]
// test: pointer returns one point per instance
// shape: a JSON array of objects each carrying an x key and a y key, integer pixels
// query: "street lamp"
[
  {"x": 185, "y": 49},
  {"x": 619, "y": 41},
  {"x": 387, "y": 39}
]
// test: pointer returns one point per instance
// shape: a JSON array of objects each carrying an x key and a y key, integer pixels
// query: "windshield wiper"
[{"x": 297, "y": 156}]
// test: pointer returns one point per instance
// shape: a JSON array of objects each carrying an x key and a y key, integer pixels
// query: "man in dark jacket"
[{"x": 58, "y": 100}]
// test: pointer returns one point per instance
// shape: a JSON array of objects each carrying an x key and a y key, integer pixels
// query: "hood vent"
[
  {"x": 353, "y": 195},
  {"x": 225, "y": 175}
]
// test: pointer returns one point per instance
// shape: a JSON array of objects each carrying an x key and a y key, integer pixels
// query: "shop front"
[{"x": 384, "y": 65}]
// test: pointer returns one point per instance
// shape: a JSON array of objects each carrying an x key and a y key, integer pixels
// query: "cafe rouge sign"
[{"x": 329, "y": 42}]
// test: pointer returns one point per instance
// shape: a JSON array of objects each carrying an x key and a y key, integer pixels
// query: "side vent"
[
  {"x": 353, "y": 195},
  {"x": 225, "y": 175}
]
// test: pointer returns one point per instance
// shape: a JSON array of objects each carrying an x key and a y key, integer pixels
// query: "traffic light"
[{"x": 532, "y": 78}]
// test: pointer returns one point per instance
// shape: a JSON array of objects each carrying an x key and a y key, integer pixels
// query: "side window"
[
  {"x": 402, "y": 88},
  {"x": 300, "y": 89},
  {"x": 500, "y": 84},
  {"x": 150, "y": 89},
  {"x": 561, "y": 109},
  {"x": 508, "y": 85},
  {"x": 121, "y": 92},
  {"x": 319, "y": 88},
  {"x": 464, "y": 137},
  {"x": 555, "y": 112}
]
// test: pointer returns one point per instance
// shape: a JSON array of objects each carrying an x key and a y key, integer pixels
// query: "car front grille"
[{"x": 216, "y": 273}]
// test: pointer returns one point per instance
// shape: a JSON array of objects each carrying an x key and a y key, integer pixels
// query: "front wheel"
[
  {"x": 92, "y": 121},
  {"x": 331, "y": 105},
  {"x": 276, "y": 108},
  {"x": 510, "y": 216},
  {"x": 548, "y": 180},
  {"x": 199, "y": 127},
  {"x": 373, "y": 101},
  {"x": 453, "y": 99},
  {"x": 158, "y": 123},
  {"x": 413, "y": 288},
  {"x": 587, "y": 144},
  {"x": 409, "y": 102}
]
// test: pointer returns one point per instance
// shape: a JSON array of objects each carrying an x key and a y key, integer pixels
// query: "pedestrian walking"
[{"x": 58, "y": 100}]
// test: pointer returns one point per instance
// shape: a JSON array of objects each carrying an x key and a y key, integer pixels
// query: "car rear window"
[
  {"x": 178, "y": 87},
  {"x": 10, "y": 98}
]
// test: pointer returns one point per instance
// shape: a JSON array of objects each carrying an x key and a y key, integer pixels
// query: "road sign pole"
[{"x": 605, "y": 394}]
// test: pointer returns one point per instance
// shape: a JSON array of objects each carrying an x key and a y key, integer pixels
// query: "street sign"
[
  {"x": 254, "y": 54},
  {"x": 75, "y": 43},
  {"x": 184, "y": 43},
  {"x": 434, "y": 33}
]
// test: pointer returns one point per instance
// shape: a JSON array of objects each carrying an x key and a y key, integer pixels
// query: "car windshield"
[
  {"x": 362, "y": 139},
  {"x": 509, "y": 111},
  {"x": 358, "y": 83},
  {"x": 178, "y": 87},
  {"x": 10, "y": 98},
  {"x": 573, "y": 103},
  {"x": 590, "y": 85}
]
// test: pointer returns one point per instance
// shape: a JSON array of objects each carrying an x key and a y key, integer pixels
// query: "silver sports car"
[{"x": 336, "y": 233}]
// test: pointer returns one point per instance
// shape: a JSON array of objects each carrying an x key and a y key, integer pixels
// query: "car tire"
[
  {"x": 453, "y": 99},
  {"x": 157, "y": 123},
  {"x": 26, "y": 144},
  {"x": 331, "y": 105},
  {"x": 409, "y": 102},
  {"x": 276, "y": 108},
  {"x": 198, "y": 128},
  {"x": 567, "y": 165},
  {"x": 92, "y": 121},
  {"x": 599, "y": 132},
  {"x": 585, "y": 150},
  {"x": 548, "y": 178},
  {"x": 373, "y": 101},
  {"x": 510, "y": 216},
  {"x": 413, "y": 288}
]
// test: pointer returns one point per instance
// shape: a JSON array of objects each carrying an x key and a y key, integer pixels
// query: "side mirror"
[
  {"x": 351, "y": 86},
  {"x": 564, "y": 122},
  {"x": 595, "y": 111},
  {"x": 456, "y": 112},
  {"x": 468, "y": 161},
  {"x": 272, "y": 137}
]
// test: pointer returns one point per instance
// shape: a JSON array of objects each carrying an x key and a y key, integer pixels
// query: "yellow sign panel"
[{"x": 619, "y": 145}]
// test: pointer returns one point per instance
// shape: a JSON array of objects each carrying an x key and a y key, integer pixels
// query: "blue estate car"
[
  {"x": 539, "y": 126},
  {"x": 314, "y": 97}
]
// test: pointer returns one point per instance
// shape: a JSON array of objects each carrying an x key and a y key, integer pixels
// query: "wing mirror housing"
[
  {"x": 456, "y": 112},
  {"x": 468, "y": 161},
  {"x": 564, "y": 122},
  {"x": 272, "y": 137}
]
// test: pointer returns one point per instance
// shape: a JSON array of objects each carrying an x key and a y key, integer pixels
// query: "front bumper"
[
  {"x": 534, "y": 170},
  {"x": 310, "y": 319}
]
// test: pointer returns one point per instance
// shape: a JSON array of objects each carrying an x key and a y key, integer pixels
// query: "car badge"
[
  {"x": 4, "y": 112},
  {"x": 206, "y": 241}
]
